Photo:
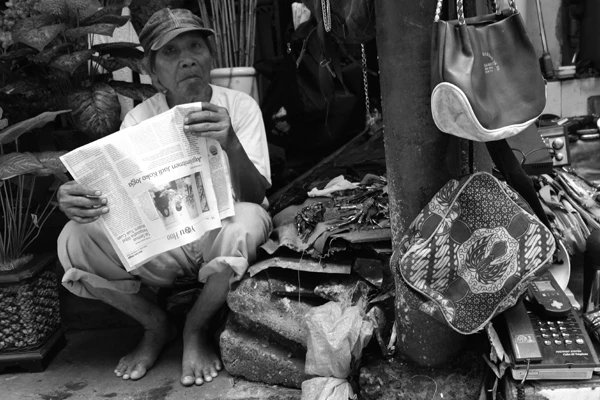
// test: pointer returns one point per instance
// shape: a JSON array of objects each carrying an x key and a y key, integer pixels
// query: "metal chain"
[
  {"x": 438, "y": 10},
  {"x": 511, "y": 4},
  {"x": 460, "y": 12},
  {"x": 363, "y": 63},
  {"x": 326, "y": 9}
]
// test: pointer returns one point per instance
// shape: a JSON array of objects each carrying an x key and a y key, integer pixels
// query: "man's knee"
[
  {"x": 78, "y": 242},
  {"x": 250, "y": 220},
  {"x": 74, "y": 236}
]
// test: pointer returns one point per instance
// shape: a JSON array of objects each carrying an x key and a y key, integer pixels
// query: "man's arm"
[
  {"x": 214, "y": 122},
  {"x": 248, "y": 184}
]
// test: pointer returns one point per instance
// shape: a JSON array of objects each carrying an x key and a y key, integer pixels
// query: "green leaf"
[
  {"x": 14, "y": 131},
  {"x": 39, "y": 37},
  {"x": 114, "y": 19},
  {"x": 106, "y": 14},
  {"x": 15, "y": 164},
  {"x": 46, "y": 56},
  {"x": 70, "y": 62},
  {"x": 82, "y": 8},
  {"x": 136, "y": 91},
  {"x": 136, "y": 64},
  {"x": 17, "y": 53},
  {"x": 119, "y": 49},
  {"x": 98, "y": 29},
  {"x": 108, "y": 63},
  {"x": 44, "y": 163}
]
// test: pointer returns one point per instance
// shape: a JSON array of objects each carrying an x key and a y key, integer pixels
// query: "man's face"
[{"x": 182, "y": 67}]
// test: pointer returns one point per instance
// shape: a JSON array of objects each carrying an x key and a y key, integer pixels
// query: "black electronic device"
[
  {"x": 546, "y": 345},
  {"x": 550, "y": 300},
  {"x": 532, "y": 150},
  {"x": 556, "y": 140}
]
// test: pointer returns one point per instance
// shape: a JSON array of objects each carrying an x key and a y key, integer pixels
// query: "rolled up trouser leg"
[
  {"x": 234, "y": 245},
  {"x": 89, "y": 259}
]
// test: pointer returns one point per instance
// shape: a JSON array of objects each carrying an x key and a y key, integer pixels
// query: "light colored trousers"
[{"x": 89, "y": 259}]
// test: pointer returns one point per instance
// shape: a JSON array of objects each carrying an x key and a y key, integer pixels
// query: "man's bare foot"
[
  {"x": 135, "y": 364},
  {"x": 200, "y": 362}
]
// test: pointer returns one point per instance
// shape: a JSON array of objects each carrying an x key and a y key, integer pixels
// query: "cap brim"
[{"x": 167, "y": 37}]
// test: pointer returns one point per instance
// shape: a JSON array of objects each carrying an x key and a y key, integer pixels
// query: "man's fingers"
[
  {"x": 210, "y": 107},
  {"x": 83, "y": 220},
  {"x": 196, "y": 117}
]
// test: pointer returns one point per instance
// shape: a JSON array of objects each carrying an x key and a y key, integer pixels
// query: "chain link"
[
  {"x": 363, "y": 63},
  {"x": 326, "y": 9}
]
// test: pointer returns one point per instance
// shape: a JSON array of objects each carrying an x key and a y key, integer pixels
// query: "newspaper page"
[{"x": 164, "y": 188}]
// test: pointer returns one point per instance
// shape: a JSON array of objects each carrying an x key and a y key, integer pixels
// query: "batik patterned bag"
[{"x": 473, "y": 250}]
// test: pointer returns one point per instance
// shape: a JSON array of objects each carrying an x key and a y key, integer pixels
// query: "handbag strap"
[
  {"x": 460, "y": 12},
  {"x": 508, "y": 165}
]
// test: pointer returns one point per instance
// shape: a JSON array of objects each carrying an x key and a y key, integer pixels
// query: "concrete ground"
[
  {"x": 97, "y": 336},
  {"x": 83, "y": 369}
]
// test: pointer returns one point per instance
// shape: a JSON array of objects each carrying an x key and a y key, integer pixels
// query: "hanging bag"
[
  {"x": 486, "y": 80},
  {"x": 472, "y": 251}
]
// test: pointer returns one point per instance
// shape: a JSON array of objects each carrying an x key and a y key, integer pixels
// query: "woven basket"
[{"x": 29, "y": 305}]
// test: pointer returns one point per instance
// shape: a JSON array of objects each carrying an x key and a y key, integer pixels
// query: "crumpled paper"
[
  {"x": 335, "y": 185},
  {"x": 337, "y": 335}
]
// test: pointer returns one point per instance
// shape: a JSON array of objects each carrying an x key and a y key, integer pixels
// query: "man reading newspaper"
[{"x": 178, "y": 57}]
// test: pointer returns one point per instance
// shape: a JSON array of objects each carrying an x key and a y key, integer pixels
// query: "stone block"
[
  {"x": 256, "y": 358},
  {"x": 395, "y": 380},
  {"x": 280, "y": 315}
]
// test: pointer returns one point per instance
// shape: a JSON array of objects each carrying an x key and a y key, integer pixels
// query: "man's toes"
[
  {"x": 187, "y": 380},
  {"x": 188, "y": 377},
  {"x": 138, "y": 372},
  {"x": 120, "y": 368}
]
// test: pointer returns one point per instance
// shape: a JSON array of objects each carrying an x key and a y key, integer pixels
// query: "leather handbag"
[
  {"x": 472, "y": 251},
  {"x": 486, "y": 79}
]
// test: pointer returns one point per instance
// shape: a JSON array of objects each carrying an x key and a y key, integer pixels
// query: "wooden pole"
[{"x": 419, "y": 158}]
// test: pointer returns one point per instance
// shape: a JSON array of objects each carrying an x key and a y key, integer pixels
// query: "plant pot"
[
  {"x": 29, "y": 305},
  {"x": 238, "y": 78}
]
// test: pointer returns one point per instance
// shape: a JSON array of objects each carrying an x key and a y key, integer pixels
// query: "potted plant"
[
  {"x": 29, "y": 305},
  {"x": 48, "y": 62},
  {"x": 234, "y": 23}
]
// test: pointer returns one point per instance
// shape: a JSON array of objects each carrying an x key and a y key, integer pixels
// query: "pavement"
[
  {"x": 96, "y": 337},
  {"x": 83, "y": 369}
]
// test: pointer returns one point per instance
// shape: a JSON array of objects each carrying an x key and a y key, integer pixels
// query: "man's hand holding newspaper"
[{"x": 164, "y": 188}]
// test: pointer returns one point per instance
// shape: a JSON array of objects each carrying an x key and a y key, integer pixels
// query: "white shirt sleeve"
[{"x": 247, "y": 123}]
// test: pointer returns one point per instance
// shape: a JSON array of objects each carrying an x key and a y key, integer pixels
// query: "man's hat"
[{"x": 165, "y": 24}]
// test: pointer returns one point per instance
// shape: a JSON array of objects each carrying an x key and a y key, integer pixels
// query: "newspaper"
[{"x": 164, "y": 188}]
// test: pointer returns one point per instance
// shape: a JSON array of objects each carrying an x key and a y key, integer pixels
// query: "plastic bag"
[
  {"x": 336, "y": 334},
  {"x": 326, "y": 389}
]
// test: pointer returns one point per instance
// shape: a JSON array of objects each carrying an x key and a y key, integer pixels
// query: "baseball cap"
[{"x": 166, "y": 24}]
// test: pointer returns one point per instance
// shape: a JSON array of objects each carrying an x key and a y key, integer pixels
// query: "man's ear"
[
  {"x": 150, "y": 71},
  {"x": 156, "y": 83}
]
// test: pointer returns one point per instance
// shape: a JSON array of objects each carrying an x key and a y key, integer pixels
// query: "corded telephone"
[{"x": 547, "y": 336}]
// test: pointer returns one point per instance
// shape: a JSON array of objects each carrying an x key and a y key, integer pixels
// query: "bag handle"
[{"x": 460, "y": 12}]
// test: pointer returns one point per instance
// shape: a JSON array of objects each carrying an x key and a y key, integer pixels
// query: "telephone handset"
[
  {"x": 547, "y": 337},
  {"x": 545, "y": 293}
]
